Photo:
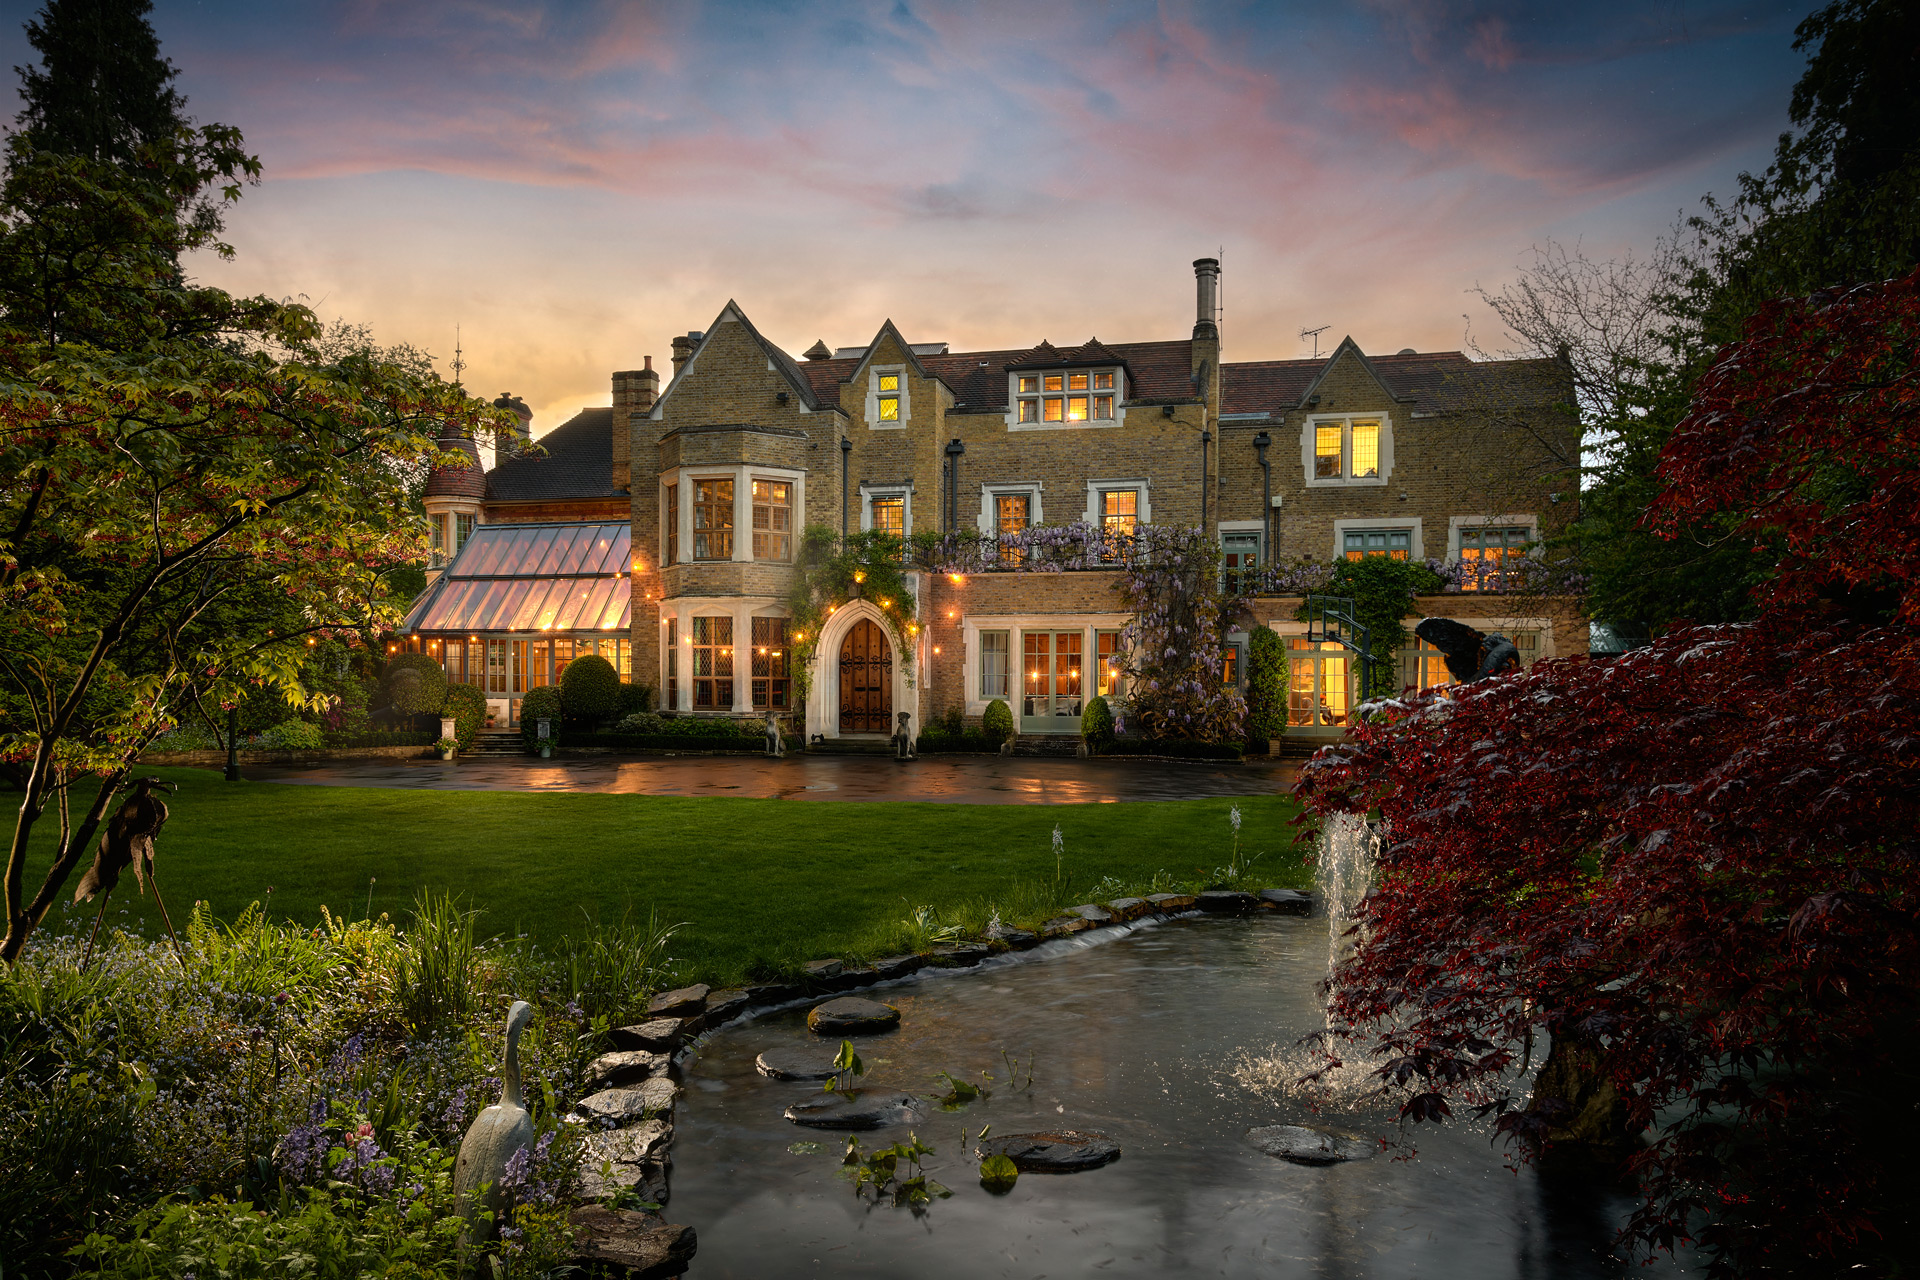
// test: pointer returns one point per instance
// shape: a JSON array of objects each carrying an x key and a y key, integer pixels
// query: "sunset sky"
[{"x": 573, "y": 184}]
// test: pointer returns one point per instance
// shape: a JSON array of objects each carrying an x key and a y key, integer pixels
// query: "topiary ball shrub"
[
  {"x": 590, "y": 688},
  {"x": 468, "y": 707},
  {"x": 414, "y": 684},
  {"x": 1096, "y": 724},
  {"x": 997, "y": 722},
  {"x": 546, "y": 702},
  {"x": 1266, "y": 685},
  {"x": 634, "y": 699}
]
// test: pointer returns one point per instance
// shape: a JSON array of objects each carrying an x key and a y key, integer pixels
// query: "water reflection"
[{"x": 1135, "y": 1038}]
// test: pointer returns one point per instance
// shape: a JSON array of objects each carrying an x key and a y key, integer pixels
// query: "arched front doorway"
[{"x": 866, "y": 680}]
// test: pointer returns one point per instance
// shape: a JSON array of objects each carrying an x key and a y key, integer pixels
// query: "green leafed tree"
[
  {"x": 189, "y": 489},
  {"x": 101, "y": 89}
]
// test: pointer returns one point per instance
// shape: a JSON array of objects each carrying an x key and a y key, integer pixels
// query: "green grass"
[{"x": 761, "y": 885}]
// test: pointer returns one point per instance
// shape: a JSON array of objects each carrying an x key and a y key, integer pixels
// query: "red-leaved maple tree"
[{"x": 1696, "y": 863}]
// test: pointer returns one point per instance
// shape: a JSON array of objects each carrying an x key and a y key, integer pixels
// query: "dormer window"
[
  {"x": 1066, "y": 397},
  {"x": 889, "y": 397}
]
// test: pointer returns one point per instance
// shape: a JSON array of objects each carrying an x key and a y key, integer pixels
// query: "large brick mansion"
[{"x": 661, "y": 531}]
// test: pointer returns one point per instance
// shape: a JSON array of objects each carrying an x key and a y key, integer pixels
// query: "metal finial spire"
[{"x": 459, "y": 363}]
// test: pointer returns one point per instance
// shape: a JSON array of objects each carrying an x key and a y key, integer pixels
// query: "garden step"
[
  {"x": 1047, "y": 744},
  {"x": 851, "y": 747},
  {"x": 497, "y": 742}
]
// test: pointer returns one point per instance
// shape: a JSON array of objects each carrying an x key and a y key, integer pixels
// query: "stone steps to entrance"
[
  {"x": 1046, "y": 744},
  {"x": 497, "y": 742},
  {"x": 851, "y": 747}
]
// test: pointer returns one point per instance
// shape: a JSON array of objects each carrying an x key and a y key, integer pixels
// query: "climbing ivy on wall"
[
  {"x": 868, "y": 566},
  {"x": 1381, "y": 590}
]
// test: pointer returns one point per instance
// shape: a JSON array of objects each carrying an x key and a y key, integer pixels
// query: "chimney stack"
[
  {"x": 1206, "y": 273},
  {"x": 514, "y": 438},
  {"x": 634, "y": 391},
  {"x": 683, "y": 349}
]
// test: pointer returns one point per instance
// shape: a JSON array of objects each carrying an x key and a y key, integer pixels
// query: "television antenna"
[{"x": 1315, "y": 335}]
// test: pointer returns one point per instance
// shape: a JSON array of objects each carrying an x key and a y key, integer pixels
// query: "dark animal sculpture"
[
  {"x": 1470, "y": 654},
  {"x": 127, "y": 841}
]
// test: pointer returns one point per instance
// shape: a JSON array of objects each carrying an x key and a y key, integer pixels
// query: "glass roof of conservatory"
[{"x": 532, "y": 577}]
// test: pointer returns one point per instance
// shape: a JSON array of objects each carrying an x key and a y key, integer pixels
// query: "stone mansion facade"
[{"x": 661, "y": 531}]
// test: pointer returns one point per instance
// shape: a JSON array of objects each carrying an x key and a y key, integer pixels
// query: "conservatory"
[{"x": 521, "y": 601}]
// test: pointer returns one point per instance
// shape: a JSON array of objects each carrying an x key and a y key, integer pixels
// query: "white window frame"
[
  {"x": 902, "y": 491},
  {"x": 1417, "y": 549},
  {"x": 874, "y": 422},
  {"x": 1118, "y": 393},
  {"x": 1345, "y": 422},
  {"x": 1143, "y": 507},
  {"x": 743, "y": 477},
  {"x": 1089, "y": 624},
  {"x": 1032, "y": 489},
  {"x": 1526, "y": 519}
]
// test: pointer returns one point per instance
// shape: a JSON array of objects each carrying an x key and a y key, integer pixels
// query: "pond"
[{"x": 1170, "y": 1039}]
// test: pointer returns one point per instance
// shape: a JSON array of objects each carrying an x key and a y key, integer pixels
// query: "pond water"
[{"x": 1168, "y": 1039}]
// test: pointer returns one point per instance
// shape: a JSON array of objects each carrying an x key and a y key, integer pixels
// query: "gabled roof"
[
  {"x": 577, "y": 463},
  {"x": 978, "y": 379},
  {"x": 887, "y": 327},
  {"x": 789, "y": 368}
]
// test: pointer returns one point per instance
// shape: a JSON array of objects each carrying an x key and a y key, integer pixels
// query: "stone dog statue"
[
  {"x": 903, "y": 738},
  {"x": 776, "y": 743}
]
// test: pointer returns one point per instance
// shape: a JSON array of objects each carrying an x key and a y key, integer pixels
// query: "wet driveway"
[{"x": 943, "y": 780}]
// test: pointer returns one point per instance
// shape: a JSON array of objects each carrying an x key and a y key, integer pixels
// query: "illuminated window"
[
  {"x": 462, "y": 530},
  {"x": 1119, "y": 516},
  {"x": 993, "y": 664},
  {"x": 1319, "y": 683},
  {"x": 1490, "y": 554},
  {"x": 1051, "y": 397},
  {"x": 497, "y": 666},
  {"x": 562, "y": 655},
  {"x": 713, "y": 664},
  {"x": 770, "y": 664},
  {"x": 1346, "y": 449},
  {"x": 713, "y": 519},
  {"x": 1230, "y": 665},
  {"x": 1393, "y": 544},
  {"x": 1423, "y": 667},
  {"x": 889, "y": 397},
  {"x": 889, "y": 515},
  {"x": 1012, "y": 514},
  {"x": 438, "y": 549},
  {"x": 673, "y": 525},
  {"x": 1111, "y": 658},
  {"x": 772, "y": 520}
]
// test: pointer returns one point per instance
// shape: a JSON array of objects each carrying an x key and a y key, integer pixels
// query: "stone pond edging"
[
  {"x": 637, "y": 1099},
  {"x": 263, "y": 755}
]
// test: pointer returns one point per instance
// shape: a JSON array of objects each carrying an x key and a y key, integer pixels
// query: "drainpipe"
[
  {"x": 1260, "y": 443},
  {"x": 1206, "y": 438},
  {"x": 954, "y": 450},
  {"x": 846, "y": 469}
]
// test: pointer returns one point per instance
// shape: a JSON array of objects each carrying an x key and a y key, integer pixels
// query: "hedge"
[
  {"x": 590, "y": 689},
  {"x": 415, "y": 684},
  {"x": 468, "y": 707}
]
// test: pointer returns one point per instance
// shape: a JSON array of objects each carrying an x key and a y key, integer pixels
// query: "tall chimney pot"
[{"x": 1206, "y": 272}]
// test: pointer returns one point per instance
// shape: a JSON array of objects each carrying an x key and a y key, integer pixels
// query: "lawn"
[{"x": 759, "y": 884}]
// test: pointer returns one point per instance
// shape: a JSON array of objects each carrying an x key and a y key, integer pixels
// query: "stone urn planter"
[{"x": 446, "y": 747}]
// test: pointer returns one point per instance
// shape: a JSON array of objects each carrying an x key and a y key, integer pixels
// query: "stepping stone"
[
  {"x": 857, "y": 1109},
  {"x": 1302, "y": 1145},
  {"x": 622, "y": 1107},
  {"x": 1056, "y": 1151},
  {"x": 686, "y": 1002},
  {"x": 662, "y": 1035},
  {"x": 825, "y": 968},
  {"x": 629, "y": 1243},
  {"x": 1087, "y": 911},
  {"x": 1227, "y": 902},
  {"x": 1288, "y": 902},
  {"x": 852, "y": 1016},
  {"x": 629, "y": 1066},
  {"x": 1172, "y": 901},
  {"x": 795, "y": 1062}
]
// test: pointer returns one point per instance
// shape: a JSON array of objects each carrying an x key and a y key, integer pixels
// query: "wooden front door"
[{"x": 866, "y": 680}]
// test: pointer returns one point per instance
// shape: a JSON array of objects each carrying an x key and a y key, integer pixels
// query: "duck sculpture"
[{"x": 496, "y": 1133}]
